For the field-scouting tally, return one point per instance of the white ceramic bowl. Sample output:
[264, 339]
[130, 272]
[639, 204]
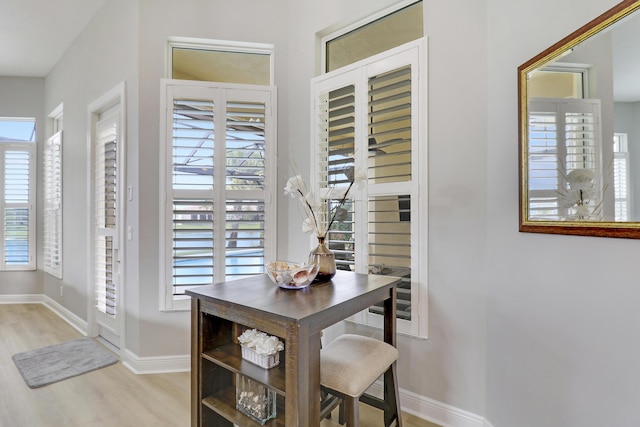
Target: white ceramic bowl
[291, 275]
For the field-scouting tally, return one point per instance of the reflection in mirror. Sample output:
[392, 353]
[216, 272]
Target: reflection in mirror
[580, 130]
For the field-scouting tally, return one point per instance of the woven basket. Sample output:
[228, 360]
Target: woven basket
[266, 361]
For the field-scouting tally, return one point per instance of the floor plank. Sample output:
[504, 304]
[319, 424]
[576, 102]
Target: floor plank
[109, 397]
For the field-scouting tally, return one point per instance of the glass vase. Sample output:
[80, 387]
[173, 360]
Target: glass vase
[325, 260]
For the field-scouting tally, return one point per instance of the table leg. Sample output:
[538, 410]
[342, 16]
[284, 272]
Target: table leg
[302, 352]
[390, 336]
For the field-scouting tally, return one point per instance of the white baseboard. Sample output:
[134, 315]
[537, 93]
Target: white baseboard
[22, 299]
[433, 410]
[76, 322]
[155, 365]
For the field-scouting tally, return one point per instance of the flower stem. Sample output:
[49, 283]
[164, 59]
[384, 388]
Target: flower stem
[313, 215]
[333, 217]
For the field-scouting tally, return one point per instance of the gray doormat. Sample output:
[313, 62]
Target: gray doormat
[58, 362]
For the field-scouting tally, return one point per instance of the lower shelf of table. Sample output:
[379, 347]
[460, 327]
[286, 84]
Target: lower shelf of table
[223, 403]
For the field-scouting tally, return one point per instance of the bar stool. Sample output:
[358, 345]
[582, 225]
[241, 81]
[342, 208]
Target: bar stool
[350, 365]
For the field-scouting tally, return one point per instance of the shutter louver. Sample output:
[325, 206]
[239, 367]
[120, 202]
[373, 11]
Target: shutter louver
[341, 237]
[580, 139]
[336, 121]
[105, 215]
[245, 163]
[389, 140]
[620, 185]
[341, 134]
[336, 130]
[390, 246]
[193, 141]
[621, 176]
[192, 244]
[543, 165]
[244, 239]
[53, 205]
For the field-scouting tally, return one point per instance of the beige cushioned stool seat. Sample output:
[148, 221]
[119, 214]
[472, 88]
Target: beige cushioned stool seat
[351, 363]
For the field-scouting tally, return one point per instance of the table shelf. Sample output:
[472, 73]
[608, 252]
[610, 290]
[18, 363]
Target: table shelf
[223, 403]
[229, 356]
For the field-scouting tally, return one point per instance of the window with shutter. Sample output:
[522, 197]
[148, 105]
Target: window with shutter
[564, 136]
[17, 194]
[368, 116]
[219, 169]
[52, 239]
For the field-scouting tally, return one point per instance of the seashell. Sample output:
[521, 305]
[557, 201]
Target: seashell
[301, 277]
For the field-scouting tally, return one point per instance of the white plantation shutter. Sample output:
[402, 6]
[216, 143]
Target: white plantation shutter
[335, 151]
[52, 250]
[389, 230]
[246, 175]
[220, 173]
[17, 190]
[564, 135]
[621, 177]
[106, 215]
[390, 126]
[192, 243]
[543, 165]
[367, 116]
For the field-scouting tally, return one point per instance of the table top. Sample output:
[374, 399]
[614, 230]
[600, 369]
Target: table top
[346, 294]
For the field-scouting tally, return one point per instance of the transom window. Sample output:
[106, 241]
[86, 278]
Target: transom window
[220, 61]
[378, 33]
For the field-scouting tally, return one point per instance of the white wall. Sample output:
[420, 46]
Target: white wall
[562, 311]
[22, 97]
[104, 55]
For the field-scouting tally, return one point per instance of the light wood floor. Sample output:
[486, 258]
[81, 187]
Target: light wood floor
[112, 396]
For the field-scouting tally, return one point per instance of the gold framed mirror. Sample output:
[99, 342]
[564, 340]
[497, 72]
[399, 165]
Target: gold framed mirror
[579, 130]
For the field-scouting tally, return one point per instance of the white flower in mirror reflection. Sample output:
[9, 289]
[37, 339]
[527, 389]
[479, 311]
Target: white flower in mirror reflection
[581, 192]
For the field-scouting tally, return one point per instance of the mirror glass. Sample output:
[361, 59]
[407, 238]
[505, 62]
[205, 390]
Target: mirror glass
[580, 130]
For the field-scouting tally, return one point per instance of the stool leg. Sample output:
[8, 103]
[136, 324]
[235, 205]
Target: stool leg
[351, 411]
[392, 397]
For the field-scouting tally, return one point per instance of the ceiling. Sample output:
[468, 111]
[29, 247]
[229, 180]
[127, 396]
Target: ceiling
[34, 34]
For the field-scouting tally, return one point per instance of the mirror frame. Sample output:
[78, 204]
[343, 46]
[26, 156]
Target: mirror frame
[583, 228]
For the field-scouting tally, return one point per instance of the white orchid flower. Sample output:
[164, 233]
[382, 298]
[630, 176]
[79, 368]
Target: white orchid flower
[294, 187]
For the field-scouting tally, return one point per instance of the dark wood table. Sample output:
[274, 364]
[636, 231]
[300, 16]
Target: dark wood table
[221, 311]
